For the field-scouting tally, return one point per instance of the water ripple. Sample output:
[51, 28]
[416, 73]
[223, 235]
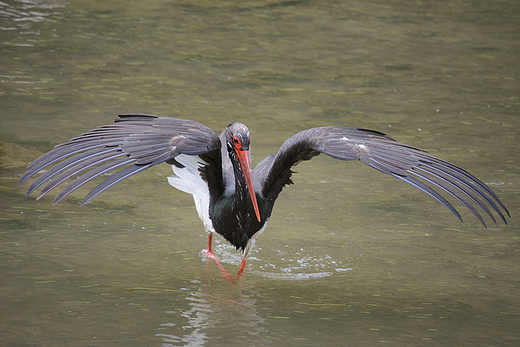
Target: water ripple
[23, 13]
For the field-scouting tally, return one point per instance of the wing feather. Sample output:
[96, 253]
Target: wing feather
[404, 162]
[132, 144]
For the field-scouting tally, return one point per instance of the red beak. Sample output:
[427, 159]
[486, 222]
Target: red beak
[243, 160]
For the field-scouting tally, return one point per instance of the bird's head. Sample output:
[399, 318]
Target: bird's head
[238, 140]
[238, 137]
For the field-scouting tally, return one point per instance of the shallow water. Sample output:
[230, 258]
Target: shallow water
[350, 257]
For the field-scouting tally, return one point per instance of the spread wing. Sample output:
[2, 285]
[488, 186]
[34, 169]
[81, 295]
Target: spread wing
[135, 142]
[404, 162]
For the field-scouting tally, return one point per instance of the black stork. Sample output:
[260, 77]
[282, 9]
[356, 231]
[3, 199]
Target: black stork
[231, 199]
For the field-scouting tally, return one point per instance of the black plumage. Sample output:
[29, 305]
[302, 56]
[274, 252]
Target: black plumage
[237, 210]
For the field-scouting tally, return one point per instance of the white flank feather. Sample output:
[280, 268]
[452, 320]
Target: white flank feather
[188, 180]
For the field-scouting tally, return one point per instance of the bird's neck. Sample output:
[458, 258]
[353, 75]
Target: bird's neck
[242, 197]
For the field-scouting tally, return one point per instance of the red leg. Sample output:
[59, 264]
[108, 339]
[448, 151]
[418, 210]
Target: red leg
[242, 266]
[210, 254]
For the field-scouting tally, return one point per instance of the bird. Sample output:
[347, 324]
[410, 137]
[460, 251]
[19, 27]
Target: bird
[231, 199]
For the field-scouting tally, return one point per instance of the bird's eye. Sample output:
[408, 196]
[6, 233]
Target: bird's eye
[236, 141]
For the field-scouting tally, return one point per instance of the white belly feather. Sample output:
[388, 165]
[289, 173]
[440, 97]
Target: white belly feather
[188, 180]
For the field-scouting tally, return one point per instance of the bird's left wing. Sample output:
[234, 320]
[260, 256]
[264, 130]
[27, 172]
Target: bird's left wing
[135, 142]
[404, 162]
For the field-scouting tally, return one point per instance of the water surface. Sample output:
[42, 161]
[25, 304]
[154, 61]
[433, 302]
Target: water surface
[350, 257]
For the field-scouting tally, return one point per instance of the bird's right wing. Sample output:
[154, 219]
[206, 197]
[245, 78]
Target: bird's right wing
[135, 142]
[406, 163]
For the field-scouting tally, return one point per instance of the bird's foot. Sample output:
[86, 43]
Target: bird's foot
[225, 274]
[211, 255]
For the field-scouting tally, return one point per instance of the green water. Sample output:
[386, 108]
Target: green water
[349, 258]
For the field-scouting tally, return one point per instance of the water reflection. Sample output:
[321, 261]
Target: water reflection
[216, 305]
